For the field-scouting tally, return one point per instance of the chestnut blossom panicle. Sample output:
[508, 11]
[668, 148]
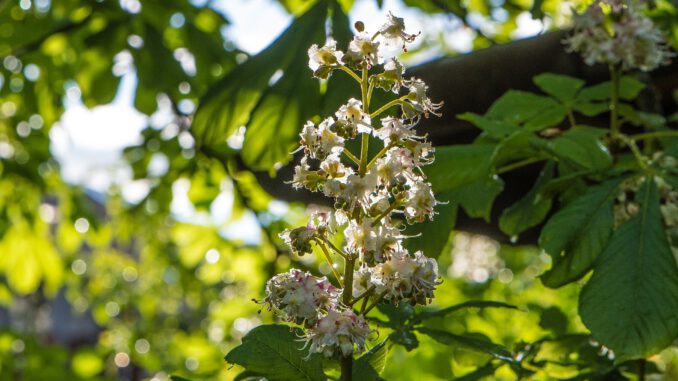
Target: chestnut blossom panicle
[300, 296]
[340, 332]
[375, 194]
[617, 32]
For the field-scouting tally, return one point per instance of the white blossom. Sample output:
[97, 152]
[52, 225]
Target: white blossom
[362, 49]
[405, 277]
[340, 332]
[322, 60]
[393, 32]
[300, 296]
[420, 202]
[419, 102]
[394, 130]
[624, 37]
[352, 113]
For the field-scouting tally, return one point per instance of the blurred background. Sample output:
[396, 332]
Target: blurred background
[134, 236]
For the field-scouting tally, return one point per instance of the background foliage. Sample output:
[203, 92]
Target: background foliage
[95, 287]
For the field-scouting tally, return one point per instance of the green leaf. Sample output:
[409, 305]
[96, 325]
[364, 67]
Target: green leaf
[520, 145]
[520, 106]
[274, 351]
[404, 337]
[581, 145]
[459, 165]
[629, 88]
[481, 373]
[494, 128]
[630, 302]
[178, 378]
[370, 365]
[479, 345]
[478, 197]
[562, 87]
[231, 102]
[429, 314]
[530, 210]
[576, 235]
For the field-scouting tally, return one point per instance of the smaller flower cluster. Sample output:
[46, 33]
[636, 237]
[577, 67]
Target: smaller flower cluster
[626, 207]
[617, 32]
[300, 296]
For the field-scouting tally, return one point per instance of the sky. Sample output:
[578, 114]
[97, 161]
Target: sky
[88, 143]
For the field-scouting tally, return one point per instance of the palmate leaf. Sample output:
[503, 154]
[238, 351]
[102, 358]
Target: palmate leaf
[630, 302]
[562, 87]
[368, 366]
[274, 351]
[576, 235]
[529, 210]
[272, 114]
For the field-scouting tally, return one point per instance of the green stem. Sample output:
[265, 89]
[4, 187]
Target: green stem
[328, 257]
[350, 72]
[570, 117]
[641, 369]
[519, 164]
[347, 368]
[364, 294]
[378, 155]
[374, 304]
[351, 156]
[655, 134]
[388, 105]
[614, 103]
[369, 93]
[385, 213]
[642, 161]
[331, 245]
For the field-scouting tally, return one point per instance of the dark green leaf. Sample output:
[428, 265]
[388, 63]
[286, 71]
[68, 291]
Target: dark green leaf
[581, 145]
[519, 106]
[178, 378]
[561, 87]
[478, 197]
[459, 165]
[629, 88]
[630, 302]
[576, 235]
[231, 102]
[529, 210]
[404, 337]
[494, 128]
[370, 365]
[468, 342]
[481, 373]
[275, 352]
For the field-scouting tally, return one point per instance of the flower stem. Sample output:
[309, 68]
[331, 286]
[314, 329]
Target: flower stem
[351, 156]
[331, 246]
[385, 213]
[378, 155]
[614, 103]
[364, 145]
[350, 72]
[374, 304]
[328, 257]
[388, 105]
[570, 117]
[347, 361]
[365, 293]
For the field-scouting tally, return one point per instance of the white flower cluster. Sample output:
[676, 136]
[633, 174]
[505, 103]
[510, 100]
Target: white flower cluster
[300, 296]
[626, 207]
[617, 32]
[375, 196]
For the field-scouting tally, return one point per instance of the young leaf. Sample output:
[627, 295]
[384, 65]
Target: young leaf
[370, 365]
[562, 87]
[629, 88]
[468, 342]
[477, 198]
[578, 233]
[529, 210]
[630, 302]
[275, 352]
